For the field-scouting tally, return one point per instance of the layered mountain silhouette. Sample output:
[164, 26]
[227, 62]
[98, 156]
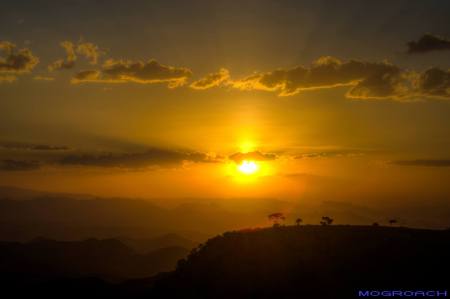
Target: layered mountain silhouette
[284, 262]
[127, 251]
[107, 259]
[159, 242]
[27, 214]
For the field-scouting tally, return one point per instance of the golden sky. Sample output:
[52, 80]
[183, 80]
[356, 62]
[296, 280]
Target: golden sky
[175, 99]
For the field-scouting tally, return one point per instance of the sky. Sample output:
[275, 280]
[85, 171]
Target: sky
[342, 100]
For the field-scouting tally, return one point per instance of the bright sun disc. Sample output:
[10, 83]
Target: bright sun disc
[248, 167]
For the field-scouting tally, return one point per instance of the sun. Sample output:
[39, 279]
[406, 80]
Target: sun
[248, 167]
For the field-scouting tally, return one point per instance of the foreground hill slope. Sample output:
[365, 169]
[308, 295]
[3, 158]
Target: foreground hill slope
[311, 262]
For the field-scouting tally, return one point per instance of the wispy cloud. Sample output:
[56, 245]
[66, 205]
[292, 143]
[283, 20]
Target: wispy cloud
[329, 154]
[89, 50]
[32, 146]
[33, 156]
[69, 61]
[18, 165]
[151, 157]
[211, 80]
[255, 156]
[86, 49]
[423, 162]
[15, 61]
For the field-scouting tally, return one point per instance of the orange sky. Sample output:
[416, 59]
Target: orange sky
[154, 100]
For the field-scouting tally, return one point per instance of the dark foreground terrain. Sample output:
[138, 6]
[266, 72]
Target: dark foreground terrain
[285, 262]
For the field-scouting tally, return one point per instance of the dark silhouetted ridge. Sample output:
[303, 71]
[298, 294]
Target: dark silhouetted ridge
[310, 262]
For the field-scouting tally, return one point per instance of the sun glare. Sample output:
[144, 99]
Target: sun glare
[248, 167]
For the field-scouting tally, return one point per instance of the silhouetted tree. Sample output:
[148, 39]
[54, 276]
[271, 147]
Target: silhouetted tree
[393, 221]
[326, 220]
[276, 218]
[298, 221]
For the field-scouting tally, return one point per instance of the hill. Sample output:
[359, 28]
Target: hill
[311, 262]
[27, 214]
[107, 259]
[162, 241]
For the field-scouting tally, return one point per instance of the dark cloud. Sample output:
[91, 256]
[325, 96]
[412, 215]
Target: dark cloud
[129, 156]
[365, 80]
[427, 43]
[212, 80]
[87, 76]
[387, 83]
[151, 157]
[120, 71]
[423, 162]
[31, 146]
[255, 156]
[43, 147]
[13, 61]
[329, 154]
[434, 82]
[18, 165]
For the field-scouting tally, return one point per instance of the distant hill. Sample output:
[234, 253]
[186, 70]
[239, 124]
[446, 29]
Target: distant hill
[27, 214]
[11, 192]
[108, 259]
[162, 241]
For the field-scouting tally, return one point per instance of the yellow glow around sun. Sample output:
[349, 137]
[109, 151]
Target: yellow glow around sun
[248, 167]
